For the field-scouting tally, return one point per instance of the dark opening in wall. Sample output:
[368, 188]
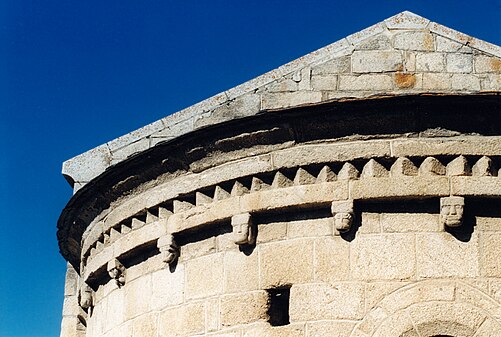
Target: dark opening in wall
[278, 309]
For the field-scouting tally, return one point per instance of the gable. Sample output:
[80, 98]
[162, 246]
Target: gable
[403, 55]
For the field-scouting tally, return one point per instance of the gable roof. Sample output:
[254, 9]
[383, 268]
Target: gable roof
[404, 54]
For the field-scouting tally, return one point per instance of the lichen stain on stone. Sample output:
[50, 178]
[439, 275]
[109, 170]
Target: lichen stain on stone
[428, 41]
[405, 80]
[495, 64]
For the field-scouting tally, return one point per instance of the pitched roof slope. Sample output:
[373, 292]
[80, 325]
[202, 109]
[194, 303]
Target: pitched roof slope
[405, 54]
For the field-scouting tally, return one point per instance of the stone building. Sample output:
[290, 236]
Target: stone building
[353, 192]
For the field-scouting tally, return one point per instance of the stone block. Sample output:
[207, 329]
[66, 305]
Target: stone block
[167, 288]
[324, 82]
[203, 276]
[465, 82]
[430, 62]
[406, 81]
[414, 40]
[490, 260]
[130, 149]
[447, 45]
[373, 82]
[88, 165]
[115, 310]
[319, 301]
[332, 256]
[371, 223]
[487, 224]
[476, 186]
[282, 85]
[244, 308]
[137, 297]
[366, 33]
[286, 262]
[459, 63]
[272, 232]
[318, 153]
[380, 188]
[245, 105]
[212, 314]
[437, 81]
[491, 82]
[376, 61]
[330, 328]
[265, 330]
[474, 146]
[406, 20]
[144, 326]
[241, 271]
[311, 227]
[442, 255]
[383, 257]
[377, 291]
[70, 282]
[199, 248]
[398, 324]
[379, 42]
[487, 64]
[188, 319]
[289, 99]
[409, 222]
[338, 65]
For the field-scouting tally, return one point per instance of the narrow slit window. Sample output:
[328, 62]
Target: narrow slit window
[278, 309]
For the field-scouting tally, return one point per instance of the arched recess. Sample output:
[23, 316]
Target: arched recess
[433, 308]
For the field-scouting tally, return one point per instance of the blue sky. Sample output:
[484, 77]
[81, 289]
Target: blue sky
[75, 74]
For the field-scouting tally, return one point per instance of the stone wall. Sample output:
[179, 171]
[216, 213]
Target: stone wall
[362, 200]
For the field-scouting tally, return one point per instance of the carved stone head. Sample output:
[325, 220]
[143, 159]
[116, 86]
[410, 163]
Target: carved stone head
[168, 248]
[85, 296]
[243, 232]
[451, 211]
[342, 211]
[116, 270]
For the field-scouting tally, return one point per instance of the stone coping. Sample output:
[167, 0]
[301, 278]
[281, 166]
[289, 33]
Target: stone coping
[85, 167]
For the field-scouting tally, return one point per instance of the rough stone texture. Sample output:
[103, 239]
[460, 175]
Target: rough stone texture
[395, 272]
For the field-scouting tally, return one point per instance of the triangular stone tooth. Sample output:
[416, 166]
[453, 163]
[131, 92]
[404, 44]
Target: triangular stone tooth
[150, 217]
[458, 167]
[164, 213]
[326, 175]
[114, 235]
[93, 251]
[220, 193]
[280, 180]
[374, 169]
[348, 171]
[238, 189]
[181, 206]
[136, 223]
[106, 238]
[431, 166]
[99, 246]
[257, 185]
[483, 167]
[303, 177]
[403, 167]
[202, 199]
[125, 229]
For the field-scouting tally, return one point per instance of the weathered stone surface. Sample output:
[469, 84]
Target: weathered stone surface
[332, 256]
[203, 276]
[454, 259]
[490, 245]
[419, 41]
[318, 301]
[487, 64]
[438, 81]
[188, 319]
[241, 272]
[339, 65]
[376, 61]
[382, 257]
[167, 288]
[430, 62]
[289, 99]
[330, 328]
[283, 263]
[306, 228]
[244, 308]
[409, 222]
[459, 63]
[376, 82]
[137, 297]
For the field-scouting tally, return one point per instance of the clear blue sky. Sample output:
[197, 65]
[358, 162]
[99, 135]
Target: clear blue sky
[75, 74]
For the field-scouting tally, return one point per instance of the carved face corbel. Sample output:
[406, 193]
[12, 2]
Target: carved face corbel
[86, 296]
[451, 211]
[116, 270]
[168, 248]
[342, 211]
[243, 229]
